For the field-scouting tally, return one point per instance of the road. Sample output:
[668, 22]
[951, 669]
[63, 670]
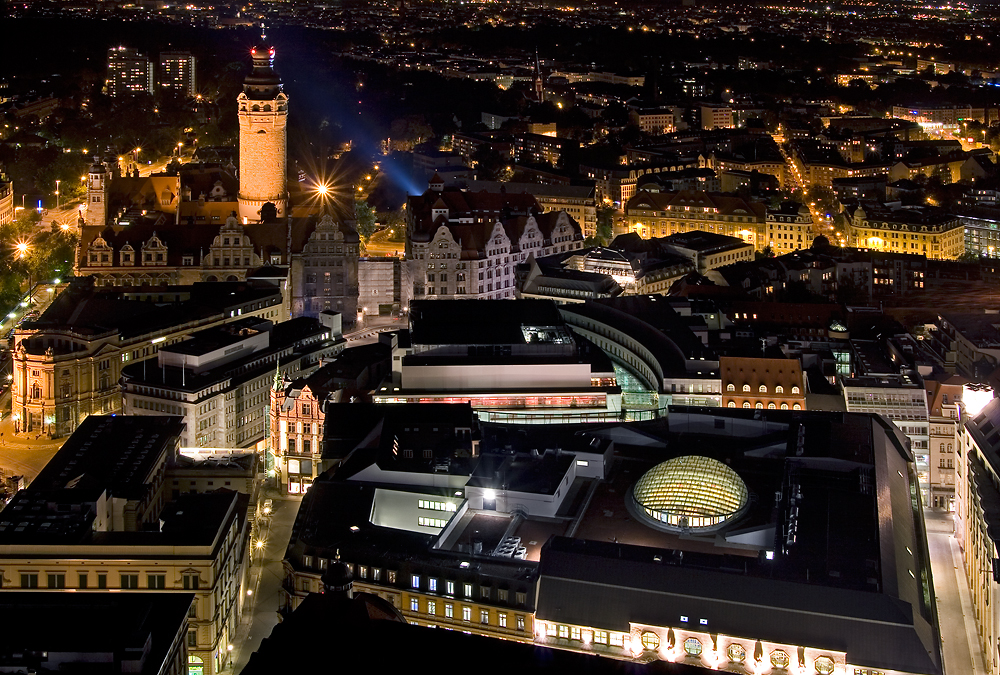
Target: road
[951, 592]
[266, 574]
[379, 245]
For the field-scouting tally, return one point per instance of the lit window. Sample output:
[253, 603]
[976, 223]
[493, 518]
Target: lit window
[770, 406]
[796, 407]
[414, 605]
[784, 406]
[762, 389]
[468, 590]
[779, 658]
[601, 637]
[746, 404]
[736, 652]
[732, 404]
[431, 607]
[795, 390]
[617, 639]
[824, 665]
[779, 389]
[432, 585]
[550, 630]
[650, 640]
[692, 647]
[466, 614]
[759, 405]
[564, 631]
[484, 616]
[502, 619]
[746, 387]
[415, 581]
[449, 610]
[449, 587]
[730, 387]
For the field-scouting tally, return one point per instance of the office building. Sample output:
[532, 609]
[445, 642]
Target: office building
[68, 361]
[129, 73]
[665, 213]
[924, 230]
[218, 379]
[177, 73]
[515, 358]
[111, 526]
[122, 633]
[667, 559]
[466, 244]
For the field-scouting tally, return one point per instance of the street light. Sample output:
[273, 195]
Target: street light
[57, 192]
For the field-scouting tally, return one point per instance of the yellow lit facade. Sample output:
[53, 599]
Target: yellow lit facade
[662, 214]
[944, 240]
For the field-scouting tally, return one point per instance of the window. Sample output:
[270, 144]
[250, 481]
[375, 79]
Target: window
[692, 647]
[824, 665]
[190, 582]
[376, 574]
[130, 581]
[617, 639]
[779, 658]
[795, 390]
[650, 640]
[731, 404]
[564, 631]
[796, 406]
[484, 592]
[56, 581]
[759, 405]
[449, 587]
[468, 590]
[392, 576]
[414, 581]
[466, 614]
[746, 404]
[746, 387]
[779, 389]
[520, 622]
[762, 389]
[102, 580]
[574, 633]
[192, 638]
[82, 578]
[431, 607]
[449, 610]
[601, 637]
[432, 585]
[414, 605]
[484, 616]
[502, 619]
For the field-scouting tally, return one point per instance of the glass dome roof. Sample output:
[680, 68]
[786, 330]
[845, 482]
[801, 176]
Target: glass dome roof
[689, 493]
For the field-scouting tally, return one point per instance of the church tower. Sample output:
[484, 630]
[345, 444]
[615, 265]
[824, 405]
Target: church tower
[98, 178]
[263, 114]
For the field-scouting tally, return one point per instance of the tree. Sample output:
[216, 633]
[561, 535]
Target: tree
[605, 222]
[365, 217]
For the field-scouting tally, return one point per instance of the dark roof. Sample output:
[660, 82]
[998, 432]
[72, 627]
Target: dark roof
[478, 322]
[73, 628]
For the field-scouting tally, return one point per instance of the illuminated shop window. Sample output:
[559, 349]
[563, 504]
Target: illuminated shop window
[824, 665]
[779, 658]
[736, 652]
[650, 640]
[601, 637]
[692, 647]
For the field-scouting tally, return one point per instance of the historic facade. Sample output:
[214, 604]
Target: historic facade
[665, 213]
[263, 114]
[324, 276]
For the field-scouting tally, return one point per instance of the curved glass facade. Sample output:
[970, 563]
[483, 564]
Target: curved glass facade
[690, 493]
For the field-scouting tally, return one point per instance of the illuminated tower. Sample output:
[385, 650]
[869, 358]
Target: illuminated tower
[98, 179]
[263, 114]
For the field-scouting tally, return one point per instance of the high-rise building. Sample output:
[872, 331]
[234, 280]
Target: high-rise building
[263, 113]
[177, 72]
[129, 72]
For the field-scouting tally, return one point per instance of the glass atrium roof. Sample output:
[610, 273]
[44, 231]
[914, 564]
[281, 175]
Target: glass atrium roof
[689, 493]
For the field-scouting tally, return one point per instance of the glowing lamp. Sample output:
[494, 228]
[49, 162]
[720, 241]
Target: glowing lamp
[975, 397]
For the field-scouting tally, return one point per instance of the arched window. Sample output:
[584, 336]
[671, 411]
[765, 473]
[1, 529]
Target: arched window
[746, 404]
[762, 389]
[796, 407]
[746, 387]
[759, 406]
[942, 447]
[949, 447]
[795, 390]
[730, 387]
[732, 404]
[784, 406]
[779, 389]
[36, 391]
[770, 406]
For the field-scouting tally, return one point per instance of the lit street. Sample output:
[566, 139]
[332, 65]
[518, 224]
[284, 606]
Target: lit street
[260, 614]
[951, 590]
